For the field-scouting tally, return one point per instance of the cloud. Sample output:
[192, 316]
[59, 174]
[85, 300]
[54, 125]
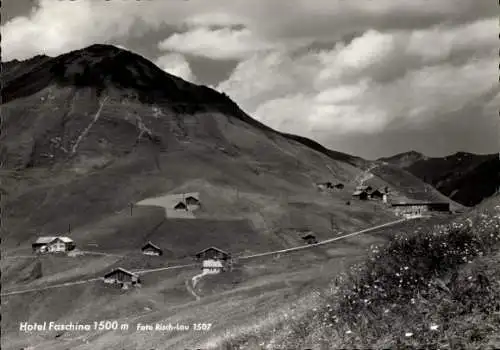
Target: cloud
[359, 74]
[379, 83]
[177, 65]
[215, 19]
[54, 27]
[222, 44]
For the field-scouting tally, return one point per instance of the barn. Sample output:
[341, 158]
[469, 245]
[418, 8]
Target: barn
[122, 277]
[151, 249]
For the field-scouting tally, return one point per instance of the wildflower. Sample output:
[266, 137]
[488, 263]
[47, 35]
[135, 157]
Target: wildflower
[434, 327]
[348, 332]
[412, 300]
[408, 334]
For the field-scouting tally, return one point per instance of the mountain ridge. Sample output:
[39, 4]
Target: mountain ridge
[463, 176]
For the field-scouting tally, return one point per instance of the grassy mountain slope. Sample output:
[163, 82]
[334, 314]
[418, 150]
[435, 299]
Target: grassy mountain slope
[434, 287]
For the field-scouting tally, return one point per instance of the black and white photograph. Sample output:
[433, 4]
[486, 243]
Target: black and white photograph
[250, 174]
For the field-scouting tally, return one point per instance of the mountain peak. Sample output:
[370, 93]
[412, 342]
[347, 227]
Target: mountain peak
[404, 158]
[102, 67]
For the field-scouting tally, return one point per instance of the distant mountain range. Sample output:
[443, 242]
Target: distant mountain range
[464, 177]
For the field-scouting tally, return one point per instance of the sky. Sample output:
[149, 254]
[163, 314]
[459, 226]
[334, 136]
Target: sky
[368, 77]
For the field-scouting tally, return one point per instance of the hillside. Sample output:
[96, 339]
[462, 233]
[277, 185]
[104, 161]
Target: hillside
[464, 177]
[92, 135]
[432, 287]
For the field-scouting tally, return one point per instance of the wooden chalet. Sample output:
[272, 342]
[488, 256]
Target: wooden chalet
[151, 249]
[53, 244]
[122, 277]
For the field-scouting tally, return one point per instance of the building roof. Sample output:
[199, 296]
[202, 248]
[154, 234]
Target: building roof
[359, 193]
[212, 263]
[418, 203]
[65, 239]
[215, 248]
[45, 239]
[121, 270]
[149, 244]
[180, 205]
[310, 235]
[191, 198]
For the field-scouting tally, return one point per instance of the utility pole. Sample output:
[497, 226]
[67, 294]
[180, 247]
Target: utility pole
[131, 208]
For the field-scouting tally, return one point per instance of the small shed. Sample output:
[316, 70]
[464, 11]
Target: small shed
[213, 253]
[310, 239]
[376, 195]
[181, 206]
[151, 249]
[192, 201]
[362, 195]
[122, 276]
[211, 266]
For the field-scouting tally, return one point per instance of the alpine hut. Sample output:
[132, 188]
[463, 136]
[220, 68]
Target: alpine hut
[122, 277]
[310, 239]
[180, 206]
[192, 201]
[151, 249]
